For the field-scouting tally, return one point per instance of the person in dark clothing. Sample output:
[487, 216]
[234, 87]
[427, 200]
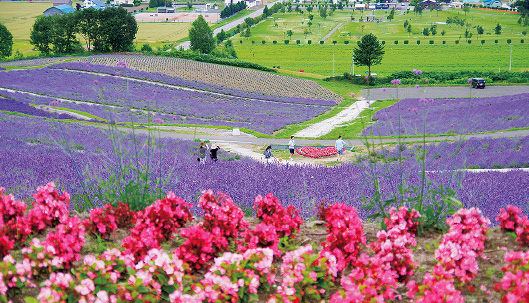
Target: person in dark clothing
[268, 154]
[213, 152]
[202, 152]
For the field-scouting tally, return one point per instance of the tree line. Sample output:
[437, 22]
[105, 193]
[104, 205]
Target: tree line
[232, 9]
[112, 29]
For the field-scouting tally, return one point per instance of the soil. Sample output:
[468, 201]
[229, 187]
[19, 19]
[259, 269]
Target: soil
[315, 232]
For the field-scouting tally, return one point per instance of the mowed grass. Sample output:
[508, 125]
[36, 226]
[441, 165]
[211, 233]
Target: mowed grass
[19, 17]
[394, 30]
[318, 59]
[152, 32]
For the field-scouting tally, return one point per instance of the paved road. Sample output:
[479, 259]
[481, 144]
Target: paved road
[233, 24]
[442, 92]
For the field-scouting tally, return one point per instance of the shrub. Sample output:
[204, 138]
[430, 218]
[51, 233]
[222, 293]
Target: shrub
[100, 223]
[274, 42]
[396, 42]
[298, 42]
[263, 42]
[347, 42]
[146, 48]
[496, 41]
[253, 42]
[469, 41]
[286, 221]
[345, 234]
[431, 41]
[334, 42]
[522, 41]
[309, 42]
[444, 42]
[456, 42]
[482, 41]
[287, 41]
[240, 41]
[418, 42]
[321, 42]
[383, 42]
[406, 41]
[508, 41]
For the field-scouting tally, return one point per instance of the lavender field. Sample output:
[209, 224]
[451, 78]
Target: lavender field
[221, 75]
[451, 116]
[37, 150]
[473, 153]
[124, 100]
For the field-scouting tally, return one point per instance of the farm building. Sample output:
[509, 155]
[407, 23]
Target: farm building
[62, 2]
[427, 4]
[119, 2]
[249, 3]
[457, 4]
[59, 10]
[492, 3]
[97, 4]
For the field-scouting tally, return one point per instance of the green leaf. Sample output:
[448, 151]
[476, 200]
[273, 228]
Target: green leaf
[29, 300]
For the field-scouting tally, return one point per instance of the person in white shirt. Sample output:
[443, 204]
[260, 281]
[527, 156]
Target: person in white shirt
[291, 147]
[340, 144]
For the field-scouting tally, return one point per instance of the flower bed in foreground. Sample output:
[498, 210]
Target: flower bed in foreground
[168, 255]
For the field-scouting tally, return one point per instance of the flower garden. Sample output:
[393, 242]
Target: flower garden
[135, 217]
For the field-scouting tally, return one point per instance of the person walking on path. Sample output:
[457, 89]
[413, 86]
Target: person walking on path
[213, 152]
[203, 147]
[268, 153]
[291, 147]
[340, 147]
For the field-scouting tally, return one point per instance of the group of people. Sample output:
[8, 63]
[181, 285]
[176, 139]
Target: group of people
[213, 151]
[339, 145]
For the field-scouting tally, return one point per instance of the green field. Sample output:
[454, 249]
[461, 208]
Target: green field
[151, 32]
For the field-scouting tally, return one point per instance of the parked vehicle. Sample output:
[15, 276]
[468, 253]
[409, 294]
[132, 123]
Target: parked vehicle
[478, 83]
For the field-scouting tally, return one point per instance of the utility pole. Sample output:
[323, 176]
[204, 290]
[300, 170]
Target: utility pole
[510, 59]
[333, 64]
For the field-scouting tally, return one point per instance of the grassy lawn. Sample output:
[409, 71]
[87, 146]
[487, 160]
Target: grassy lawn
[240, 14]
[391, 31]
[318, 59]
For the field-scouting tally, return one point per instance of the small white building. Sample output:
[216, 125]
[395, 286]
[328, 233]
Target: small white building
[120, 2]
[97, 4]
[249, 3]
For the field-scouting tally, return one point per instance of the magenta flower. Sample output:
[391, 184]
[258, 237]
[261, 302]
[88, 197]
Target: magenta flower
[384, 89]
[118, 74]
[452, 125]
[154, 91]
[469, 80]
[423, 101]
[417, 72]
[352, 95]
[414, 110]
[395, 81]
[157, 120]
[417, 86]
[425, 80]
[96, 82]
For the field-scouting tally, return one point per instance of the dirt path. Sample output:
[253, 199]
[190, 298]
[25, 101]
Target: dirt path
[332, 32]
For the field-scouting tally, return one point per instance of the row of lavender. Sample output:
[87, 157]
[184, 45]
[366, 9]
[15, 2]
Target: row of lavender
[451, 116]
[221, 76]
[30, 157]
[472, 153]
[137, 100]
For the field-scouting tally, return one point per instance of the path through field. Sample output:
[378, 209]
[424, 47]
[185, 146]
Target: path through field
[442, 92]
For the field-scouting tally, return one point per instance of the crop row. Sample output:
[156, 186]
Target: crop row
[221, 75]
[35, 62]
[451, 116]
[174, 103]
[75, 155]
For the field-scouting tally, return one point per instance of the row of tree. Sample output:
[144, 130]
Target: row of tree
[232, 9]
[110, 30]
[6, 42]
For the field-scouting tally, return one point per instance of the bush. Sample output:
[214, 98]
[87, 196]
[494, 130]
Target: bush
[263, 42]
[309, 42]
[444, 42]
[396, 42]
[240, 41]
[253, 42]
[522, 41]
[334, 42]
[469, 41]
[274, 42]
[456, 42]
[418, 42]
[298, 41]
[508, 41]
[287, 41]
[431, 41]
[321, 42]
[146, 48]
[406, 41]
[482, 41]
[496, 41]
[383, 42]
[347, 42]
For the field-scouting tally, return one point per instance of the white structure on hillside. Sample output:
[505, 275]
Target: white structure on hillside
[119, 2]
[249, 3]
[97, 4]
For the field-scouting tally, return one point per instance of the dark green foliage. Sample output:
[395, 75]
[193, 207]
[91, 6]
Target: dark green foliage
[201, 36]
[482, 41]
[287, 41]
[146, 48]
[232, 9]
[298, 41]
[496, 41]
[405, 41]
[321, 42]
[6, 42]
[444, 42]
[41, 36]
[275, 42]
[369, 52]
[347, 42]
[456, 42]
[508, 41]
[431, 41]
[309, 42]
[221, 36]
[418, 42]
[396, 42]
[334, 42]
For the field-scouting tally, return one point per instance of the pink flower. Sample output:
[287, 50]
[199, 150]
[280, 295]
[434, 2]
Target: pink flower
[423, 101]
[395, 81]
[96, 82]
[469, 80]
[417, 86]
[384, 89]
[157, 120]
[352, 95]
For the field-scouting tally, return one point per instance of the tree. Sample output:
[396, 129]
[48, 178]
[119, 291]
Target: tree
[41, 36]
[426, 32]
[311, 17]
[266, 12]
[65, 34]
[306, 31]
[290, 33]
[309, 9]
[247, 33]
[408, 29]
[480, 30]
[522, 6]
[6, 42]
[309, 23]
[466, 8]
[391, 15]
[119, 29]
[201, 36]
[369, 52]
[433, 30]
[443, 32]
[406, 23]
[497, 29]
[323, 12]
[221, 36]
